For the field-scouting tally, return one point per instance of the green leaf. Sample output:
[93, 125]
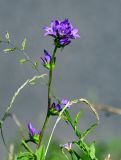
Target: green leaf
[66, 116]
[92, 150]
[24, 44]
[88, 130]
[77, 131]
[8, 50]
[53, 112]
[7, 36]
[40, 153]
[35, 65]
[22, 61]
[75, 154]
[77, 117]
[82, 146]
[64, 154]
[86, 149]
[25, 156]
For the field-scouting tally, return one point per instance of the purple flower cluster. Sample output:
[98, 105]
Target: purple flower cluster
[62, 31]
[58, 106]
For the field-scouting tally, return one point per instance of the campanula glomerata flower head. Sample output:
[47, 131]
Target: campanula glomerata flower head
[62, 32]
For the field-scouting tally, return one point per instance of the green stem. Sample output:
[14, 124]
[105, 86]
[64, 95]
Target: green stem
[49, 97]
[43, 130]
[50, 77]
[26, 146]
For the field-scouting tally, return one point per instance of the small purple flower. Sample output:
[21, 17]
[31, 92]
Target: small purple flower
[62, 31]
[32, 131]
[46, 59]
[57, 107]
[65, 102]
[67, 146]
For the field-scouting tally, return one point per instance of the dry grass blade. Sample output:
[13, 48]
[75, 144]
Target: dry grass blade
[17, 122]
[87, 103]
[11, 152]
[29, 81]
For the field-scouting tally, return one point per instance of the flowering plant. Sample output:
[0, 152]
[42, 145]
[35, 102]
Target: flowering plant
[62, 33]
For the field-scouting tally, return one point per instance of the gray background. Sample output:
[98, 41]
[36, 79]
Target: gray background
[89, 67]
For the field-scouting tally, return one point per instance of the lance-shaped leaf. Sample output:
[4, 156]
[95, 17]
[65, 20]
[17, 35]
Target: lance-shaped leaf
[40, 153]
[88, 130]
[75, 155]
[22, 61]
[23, 45]
[92, 151]
[76, 119]
[25, 156]
[8, 50]
[66, 116]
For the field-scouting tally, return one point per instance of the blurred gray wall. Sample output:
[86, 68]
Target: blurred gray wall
[90, 67]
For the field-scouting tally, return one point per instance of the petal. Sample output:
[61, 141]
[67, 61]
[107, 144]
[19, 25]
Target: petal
[47, 56]
[53, 105]
[58, 107]
[32, 130]
[43, 61]
[65, 41]
[64, 101]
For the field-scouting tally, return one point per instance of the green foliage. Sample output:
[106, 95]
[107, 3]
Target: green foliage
[22, 61]
[25, 156]
[88, 130]
[87, 150]
[55, 152]
[9, 50]
[29, 154]
[23, 44]
[76, 119]
[40, 153]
